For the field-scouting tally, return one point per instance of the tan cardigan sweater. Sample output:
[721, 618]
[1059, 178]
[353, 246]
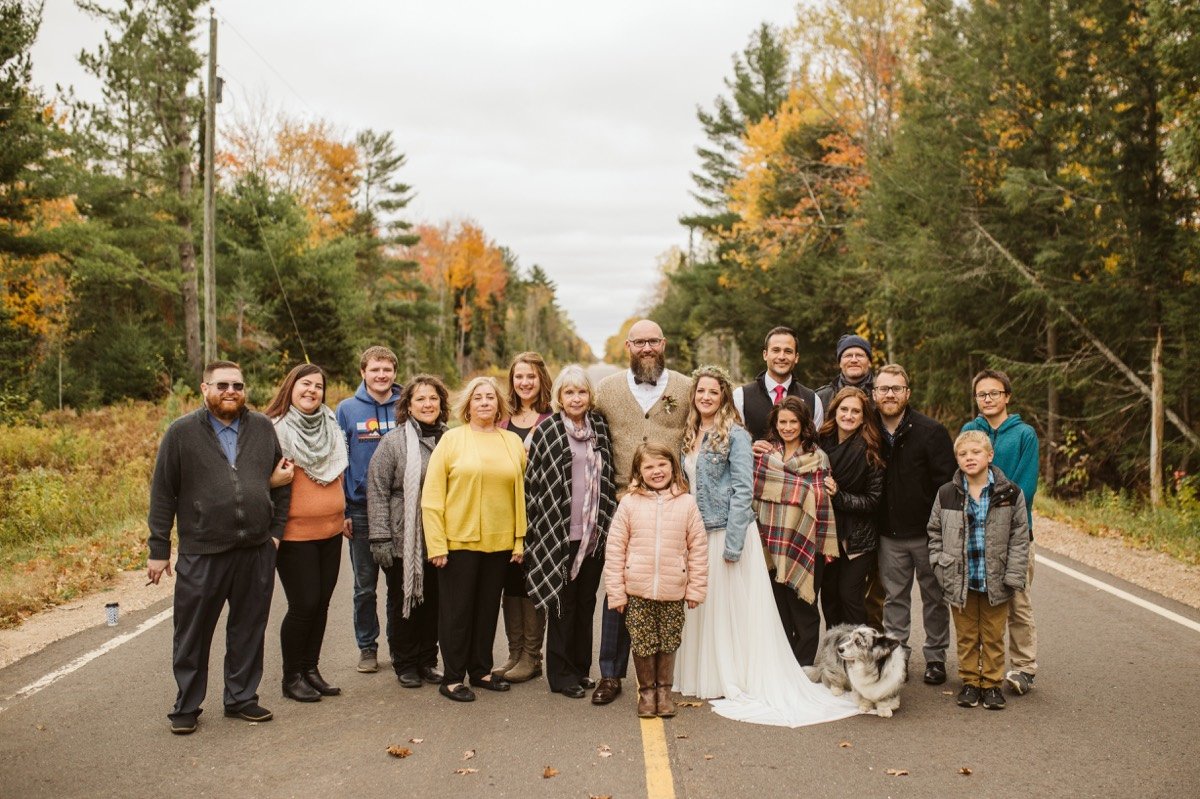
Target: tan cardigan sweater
[630, 426]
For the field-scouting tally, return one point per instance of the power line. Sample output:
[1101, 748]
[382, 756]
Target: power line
[225, 20]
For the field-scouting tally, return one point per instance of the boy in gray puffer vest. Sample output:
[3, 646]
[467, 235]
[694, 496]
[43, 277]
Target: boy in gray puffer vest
[978, 547]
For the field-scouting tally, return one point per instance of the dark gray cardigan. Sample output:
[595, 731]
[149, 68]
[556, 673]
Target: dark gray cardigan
[216, 507]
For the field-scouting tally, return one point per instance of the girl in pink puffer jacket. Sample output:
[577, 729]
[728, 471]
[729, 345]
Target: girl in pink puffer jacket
[656, 559]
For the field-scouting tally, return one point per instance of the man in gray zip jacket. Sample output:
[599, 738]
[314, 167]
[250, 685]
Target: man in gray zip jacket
[212, 481]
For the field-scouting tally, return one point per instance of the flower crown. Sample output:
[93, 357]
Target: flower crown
[711, 370]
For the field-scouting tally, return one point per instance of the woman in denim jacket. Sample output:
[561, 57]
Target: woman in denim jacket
[733, 645]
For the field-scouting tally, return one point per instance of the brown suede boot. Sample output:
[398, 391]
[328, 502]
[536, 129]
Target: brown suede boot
[529, 660]
[514, 631]
[664, 678]
[645, 667]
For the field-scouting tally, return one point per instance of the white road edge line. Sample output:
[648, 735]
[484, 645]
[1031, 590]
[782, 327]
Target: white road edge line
[1117, 592]
[84, 659]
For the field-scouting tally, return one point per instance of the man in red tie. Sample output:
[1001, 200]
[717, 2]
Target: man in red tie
[754, 400]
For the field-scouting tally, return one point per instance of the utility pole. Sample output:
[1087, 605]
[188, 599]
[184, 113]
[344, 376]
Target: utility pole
[210, 208]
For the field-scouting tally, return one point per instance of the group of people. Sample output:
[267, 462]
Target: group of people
[723, 522]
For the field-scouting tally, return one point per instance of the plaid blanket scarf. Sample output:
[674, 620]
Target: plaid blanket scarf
[548, 507]
[795, 516]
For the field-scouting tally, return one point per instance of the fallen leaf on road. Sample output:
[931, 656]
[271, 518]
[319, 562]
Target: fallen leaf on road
[398, 751]
[845, 745]
[549, 772]
[688, 703]
[708, 757]
[604, 751]
[897, 772]
[416, 740]
[966, 772]
[598, 796]
[467, 755]
[681, 735]
[947, 693]
[465, 770]
[41, 727]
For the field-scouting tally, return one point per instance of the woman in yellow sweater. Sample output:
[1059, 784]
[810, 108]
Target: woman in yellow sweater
[473, 510]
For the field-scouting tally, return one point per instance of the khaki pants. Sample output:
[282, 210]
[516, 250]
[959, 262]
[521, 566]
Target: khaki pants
[980, 630]
[1022, 634]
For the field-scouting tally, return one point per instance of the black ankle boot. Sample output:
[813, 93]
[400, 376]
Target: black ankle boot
[296, 687]
[314, 678]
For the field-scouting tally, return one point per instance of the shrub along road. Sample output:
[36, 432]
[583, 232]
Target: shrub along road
[1111, 715]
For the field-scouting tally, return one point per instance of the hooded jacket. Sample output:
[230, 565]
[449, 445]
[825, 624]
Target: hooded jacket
[364, 422]
[1006, 540]
[1015, 448]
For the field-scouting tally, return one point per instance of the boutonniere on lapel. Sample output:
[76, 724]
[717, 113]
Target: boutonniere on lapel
[669, 404]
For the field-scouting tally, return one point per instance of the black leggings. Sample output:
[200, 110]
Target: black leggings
[308, 571]
[844, 590]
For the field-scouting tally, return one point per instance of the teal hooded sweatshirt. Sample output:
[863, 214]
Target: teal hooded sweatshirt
[1016, 453]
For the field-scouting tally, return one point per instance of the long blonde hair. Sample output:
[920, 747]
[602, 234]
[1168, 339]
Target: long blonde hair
[727, 415]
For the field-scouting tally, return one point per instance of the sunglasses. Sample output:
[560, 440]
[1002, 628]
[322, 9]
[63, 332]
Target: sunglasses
[223, 386]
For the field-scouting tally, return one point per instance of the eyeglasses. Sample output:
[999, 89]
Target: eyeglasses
[887, 391]
[991, 395]
[642, 343]
[223, 387]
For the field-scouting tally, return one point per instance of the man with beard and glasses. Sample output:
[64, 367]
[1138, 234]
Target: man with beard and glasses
[212, 481]
[647, 403]
[920, 460]
[854, 368]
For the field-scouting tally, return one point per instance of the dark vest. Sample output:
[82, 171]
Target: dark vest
[757, 403]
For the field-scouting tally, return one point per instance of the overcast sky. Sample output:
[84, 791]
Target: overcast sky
[566, 130]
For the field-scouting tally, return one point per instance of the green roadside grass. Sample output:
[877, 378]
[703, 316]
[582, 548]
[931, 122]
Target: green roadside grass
[73, 488]
[1173, 528]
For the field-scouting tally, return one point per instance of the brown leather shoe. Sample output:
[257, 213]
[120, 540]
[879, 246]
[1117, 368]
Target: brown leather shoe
[645, 668]
[608, 690]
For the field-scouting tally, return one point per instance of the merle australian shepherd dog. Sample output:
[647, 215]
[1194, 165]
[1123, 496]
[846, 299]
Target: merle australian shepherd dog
[863, 662]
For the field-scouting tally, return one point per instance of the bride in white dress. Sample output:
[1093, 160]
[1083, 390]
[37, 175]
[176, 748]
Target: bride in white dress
[734, 650]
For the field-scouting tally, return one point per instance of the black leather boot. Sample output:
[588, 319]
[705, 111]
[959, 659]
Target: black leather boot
[296, 687]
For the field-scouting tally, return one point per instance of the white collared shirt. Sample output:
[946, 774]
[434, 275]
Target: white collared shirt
[647, 394]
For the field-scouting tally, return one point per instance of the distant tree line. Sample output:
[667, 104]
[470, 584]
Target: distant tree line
[101, 223]
[1009, 184]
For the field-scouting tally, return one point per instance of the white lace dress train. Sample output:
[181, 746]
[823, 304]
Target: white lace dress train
[734, 647]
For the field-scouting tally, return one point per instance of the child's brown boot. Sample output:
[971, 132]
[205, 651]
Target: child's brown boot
[664, 677]
[644, 666]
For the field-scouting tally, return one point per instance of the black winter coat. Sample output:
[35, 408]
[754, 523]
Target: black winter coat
[859, 492]
[920, 460]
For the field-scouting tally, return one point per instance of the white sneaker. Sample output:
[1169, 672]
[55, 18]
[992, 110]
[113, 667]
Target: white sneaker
[1019, 682]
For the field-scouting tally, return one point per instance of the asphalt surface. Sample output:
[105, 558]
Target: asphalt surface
[1112, 715]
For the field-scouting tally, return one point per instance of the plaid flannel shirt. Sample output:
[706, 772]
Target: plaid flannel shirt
[977, 511]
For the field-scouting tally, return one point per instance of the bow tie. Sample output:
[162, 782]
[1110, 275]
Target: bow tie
[639, 382]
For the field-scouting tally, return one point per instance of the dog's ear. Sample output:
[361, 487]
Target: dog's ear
[888, 643]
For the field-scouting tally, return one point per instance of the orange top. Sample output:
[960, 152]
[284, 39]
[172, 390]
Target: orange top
[317, 512]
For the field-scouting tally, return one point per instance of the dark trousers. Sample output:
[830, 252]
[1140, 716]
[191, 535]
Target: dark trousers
[569, 636]
[614, 643]
[413, 641]
[844, 590]
[801, 620]
[308, 571]
[245, 578]
[469, 588]
[514, 581]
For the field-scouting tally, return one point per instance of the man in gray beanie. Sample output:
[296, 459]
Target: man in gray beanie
[854, 368]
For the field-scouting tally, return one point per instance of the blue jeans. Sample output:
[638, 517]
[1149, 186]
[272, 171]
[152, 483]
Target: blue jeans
[366, 578]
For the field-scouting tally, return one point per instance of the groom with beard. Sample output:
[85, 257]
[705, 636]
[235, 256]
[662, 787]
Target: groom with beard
[645, 403]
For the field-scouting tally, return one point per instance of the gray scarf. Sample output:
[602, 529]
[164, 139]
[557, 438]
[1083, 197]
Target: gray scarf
[591, 490]
[413, 556]
[313, 442]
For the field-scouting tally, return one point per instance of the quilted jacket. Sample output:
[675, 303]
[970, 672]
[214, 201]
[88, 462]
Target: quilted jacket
[657, 549]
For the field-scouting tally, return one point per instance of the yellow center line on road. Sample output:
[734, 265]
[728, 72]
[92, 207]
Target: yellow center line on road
[659, 782]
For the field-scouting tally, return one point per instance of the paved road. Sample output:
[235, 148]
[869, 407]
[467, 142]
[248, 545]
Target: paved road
[1113, 715]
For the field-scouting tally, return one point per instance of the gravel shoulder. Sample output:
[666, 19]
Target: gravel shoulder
[1153, 571]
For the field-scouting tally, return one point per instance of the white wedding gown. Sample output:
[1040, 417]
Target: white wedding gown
[734, 647]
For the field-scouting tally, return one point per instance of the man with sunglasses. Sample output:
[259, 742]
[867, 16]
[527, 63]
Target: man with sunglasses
[1015, 445]
[645, 403]
[920, 460]
[212, 482]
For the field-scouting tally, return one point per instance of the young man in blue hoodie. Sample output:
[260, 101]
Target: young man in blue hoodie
[1016, 454]
[366, 418]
